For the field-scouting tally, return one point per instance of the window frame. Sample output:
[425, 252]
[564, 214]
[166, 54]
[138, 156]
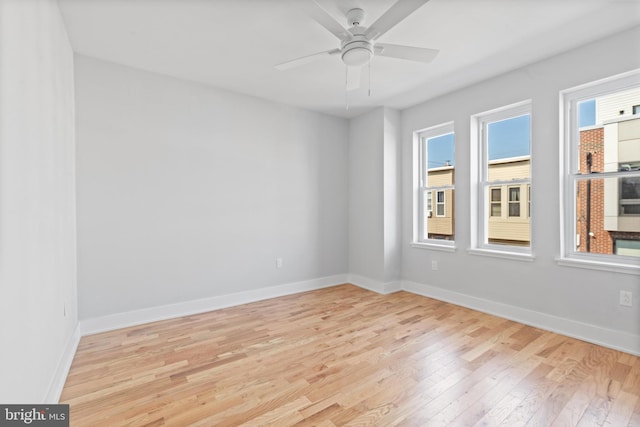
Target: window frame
[480, 216]
[570, 176]
[420, 236]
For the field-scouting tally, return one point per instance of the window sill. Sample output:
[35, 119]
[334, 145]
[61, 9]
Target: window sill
[599, 265]
[502, 254]
[433, 246]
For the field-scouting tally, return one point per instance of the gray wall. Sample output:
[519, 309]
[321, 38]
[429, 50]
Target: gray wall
[187, 192]
[38, 306]
[366, 195]
[374, 200]
[585, 297]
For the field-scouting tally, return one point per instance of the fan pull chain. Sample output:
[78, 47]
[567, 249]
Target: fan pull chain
[369, 79]
[346, 90]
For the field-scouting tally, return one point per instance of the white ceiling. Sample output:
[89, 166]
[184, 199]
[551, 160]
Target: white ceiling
[234, 44]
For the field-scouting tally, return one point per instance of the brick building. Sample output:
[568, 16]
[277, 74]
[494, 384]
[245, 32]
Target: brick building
[604, 223]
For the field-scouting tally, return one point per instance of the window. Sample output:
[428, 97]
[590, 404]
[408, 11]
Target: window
[434, 154]
[630, 190]
[514, 201]
[627, 247]
[601, 175]
[440, 203]
[502, 150]
[496, 201]
[636, 109]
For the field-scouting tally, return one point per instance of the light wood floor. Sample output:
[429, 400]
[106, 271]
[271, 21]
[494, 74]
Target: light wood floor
[347, 356]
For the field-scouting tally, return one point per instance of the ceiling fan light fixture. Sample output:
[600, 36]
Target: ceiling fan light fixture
[357, 56]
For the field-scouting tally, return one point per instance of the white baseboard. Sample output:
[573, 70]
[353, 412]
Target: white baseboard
[375, 285]
[186, 308]
[62, 370]
[616, 340]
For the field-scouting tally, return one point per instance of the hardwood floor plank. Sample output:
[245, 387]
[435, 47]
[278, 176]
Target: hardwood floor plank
[621, 410]
[575, 408]
[346, 356]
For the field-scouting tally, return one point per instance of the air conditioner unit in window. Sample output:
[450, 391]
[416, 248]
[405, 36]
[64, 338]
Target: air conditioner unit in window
[429, 214]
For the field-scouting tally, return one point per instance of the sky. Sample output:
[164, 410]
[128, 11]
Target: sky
[587, 113]
[510, 137]
[507, 138]
[440, 149]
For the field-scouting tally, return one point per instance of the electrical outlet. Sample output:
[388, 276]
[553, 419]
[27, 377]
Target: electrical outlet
[434, 265]
[626, 298]
[278, 262]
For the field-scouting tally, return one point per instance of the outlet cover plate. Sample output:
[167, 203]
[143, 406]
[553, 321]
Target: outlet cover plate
[626, 298]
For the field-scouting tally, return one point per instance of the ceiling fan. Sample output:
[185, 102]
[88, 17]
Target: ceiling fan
[358, 44]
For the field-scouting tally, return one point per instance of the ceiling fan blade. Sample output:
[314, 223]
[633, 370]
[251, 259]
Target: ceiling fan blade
[318, 14]
[396, 13]
[419, 54]
[353, 77]
[305, 59]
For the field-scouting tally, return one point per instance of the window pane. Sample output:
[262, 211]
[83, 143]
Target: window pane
[627, 247]
[495, 206]
[599, 223]
[440, 151]
[440, 225]
[514, 201]
[630, 188]
[514, 194]
[514, 209]
[608, 209]
[630, 196]
[439, 180]
[507, 147]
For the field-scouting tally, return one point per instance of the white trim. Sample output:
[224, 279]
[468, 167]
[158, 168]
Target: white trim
[510, 160]
[421, 171]
[186, 308]
[375, 285]
[596, 265]
[511, 254]
[480, 162]
[569, 161]
[610, 338]
[437, 247]
[440, 168]
[62, 370]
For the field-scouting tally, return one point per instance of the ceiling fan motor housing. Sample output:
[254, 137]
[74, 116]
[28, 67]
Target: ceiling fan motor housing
[355, 17]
